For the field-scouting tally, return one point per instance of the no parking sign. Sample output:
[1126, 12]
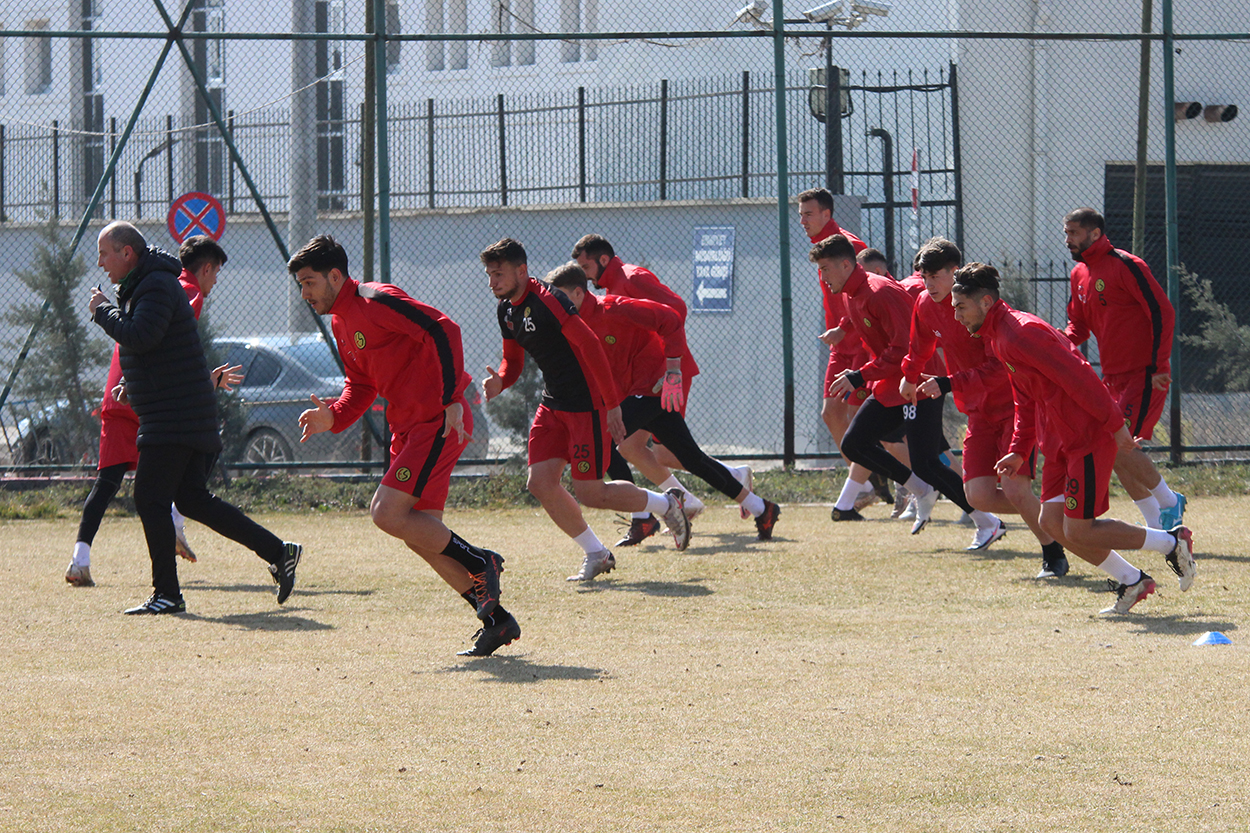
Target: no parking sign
[196, 213]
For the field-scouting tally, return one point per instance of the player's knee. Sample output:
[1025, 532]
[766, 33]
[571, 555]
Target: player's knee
[1053, 525]
[980, 495]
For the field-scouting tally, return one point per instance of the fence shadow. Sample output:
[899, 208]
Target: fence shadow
[269, 620]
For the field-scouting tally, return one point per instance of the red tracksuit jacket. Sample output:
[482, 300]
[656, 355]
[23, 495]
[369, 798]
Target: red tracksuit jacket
[879, 310]
[637, 335]
[620, 278]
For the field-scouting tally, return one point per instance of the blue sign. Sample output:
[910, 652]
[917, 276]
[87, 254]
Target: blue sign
[196, 213]
[713, 269]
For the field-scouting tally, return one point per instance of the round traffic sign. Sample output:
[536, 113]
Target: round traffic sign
[196, 213]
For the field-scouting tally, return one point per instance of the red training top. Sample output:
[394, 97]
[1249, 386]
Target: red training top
[1115, 298]
[637, 335]
[880, 312]
[620, 278]
[1060, 401]
[398, 348]
[835, 302]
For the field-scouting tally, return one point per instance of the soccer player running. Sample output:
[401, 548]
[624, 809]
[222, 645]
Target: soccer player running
[982, 390]
[410, 354]
[1063, 407]
[580, 412]
[880, 311]
[846, 350]
[1117, 300]
[201, 260]
[605, 270]
[644, 342]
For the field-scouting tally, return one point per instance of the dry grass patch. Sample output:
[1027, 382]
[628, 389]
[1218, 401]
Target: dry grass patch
[848, 677]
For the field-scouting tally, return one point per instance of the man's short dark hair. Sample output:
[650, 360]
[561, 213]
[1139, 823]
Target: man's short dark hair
[567, 276]
[505, 251]
[321, 254]
[1086, 218]
[871, 255]
[593, 246]
[938, 253]
[837, 247]
[200, 249]
[976, 280]
[819, 195]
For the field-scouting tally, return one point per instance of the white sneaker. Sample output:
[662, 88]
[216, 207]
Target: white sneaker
[595, 563]
[1181, 558]
[675, 517]
[1128, 595]
[924, 510]
[79, 576]
[908, 514]
[987, 536]
[181, 546]
[693, 506]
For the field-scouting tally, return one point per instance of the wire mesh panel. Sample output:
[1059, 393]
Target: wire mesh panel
[548, 121]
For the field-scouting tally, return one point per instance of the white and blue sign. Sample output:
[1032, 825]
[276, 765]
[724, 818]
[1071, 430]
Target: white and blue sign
[713, 269]
[196, 213]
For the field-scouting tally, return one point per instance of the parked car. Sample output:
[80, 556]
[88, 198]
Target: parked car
[280, 372]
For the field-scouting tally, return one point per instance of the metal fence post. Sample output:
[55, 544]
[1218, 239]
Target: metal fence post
[503, 152]
[746, 133]
[956, 159]
[429, 149]
[663, 138]
[581, 144]
[783, 234]
[56, 169]
[112, 179]
[1173, 241]
[169, 159]
[4, 217]
[230, 168]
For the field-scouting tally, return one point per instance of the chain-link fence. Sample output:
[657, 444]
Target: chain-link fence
[547, 121]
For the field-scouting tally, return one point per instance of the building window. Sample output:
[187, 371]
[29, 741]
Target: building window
[38, 63]
[92, 102]
[3, 41]
[509, 16]
[578, 16]
[330, 122]
[446, 16]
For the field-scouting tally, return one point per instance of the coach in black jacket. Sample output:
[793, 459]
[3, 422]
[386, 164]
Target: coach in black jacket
[167, 382]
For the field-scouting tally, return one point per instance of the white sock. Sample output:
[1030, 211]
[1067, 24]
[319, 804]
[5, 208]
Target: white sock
[850, 491]
[641, 516]
[672, 483]
[754, 504]
[589, 541]
[1119, 569]
[178, 517]
[1149, 508]
[1164, 494]
[917, 486]
[983, 520]
[693, 502]
[739, 473]
[657, 504]
[1160, 541]
[82, 554]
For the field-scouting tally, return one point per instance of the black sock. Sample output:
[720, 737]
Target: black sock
[1052, 550]
[465, 554]
[496, 616]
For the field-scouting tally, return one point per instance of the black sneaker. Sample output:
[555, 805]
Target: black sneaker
[640, 529]
[284, 571]
[845, 515]
[486, 585]
[881, 485]
[158, 603]
[1054, 562]
[491, 638]
[767, 520]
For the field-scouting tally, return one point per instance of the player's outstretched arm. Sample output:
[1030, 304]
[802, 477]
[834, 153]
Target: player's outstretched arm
[315, 420]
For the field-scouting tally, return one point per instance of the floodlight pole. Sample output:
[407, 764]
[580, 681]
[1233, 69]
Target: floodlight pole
[833, 117]
[783, 235]
[1143, 122]
[1173, 242]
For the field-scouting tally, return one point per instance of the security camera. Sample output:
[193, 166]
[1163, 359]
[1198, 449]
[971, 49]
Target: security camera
[1185, 110]
[826, 12]
[875, 7]
[752, 11]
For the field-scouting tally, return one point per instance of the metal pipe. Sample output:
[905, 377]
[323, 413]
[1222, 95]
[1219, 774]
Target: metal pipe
[581, 144]
[1173, 243]
[56, 169]
[169, 159]
[663, 138]
[383, 153]
[783, 235]
[1143, 123]
[887, 173]
[503, 151]
[429, 149]
[746, 133]
[957, 159]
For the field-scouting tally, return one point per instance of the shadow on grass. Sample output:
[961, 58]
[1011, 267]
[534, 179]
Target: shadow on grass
[270, 620]
[1219, 556]
[514, 669]
[270, 589]
[1176, 623]
[665, 589]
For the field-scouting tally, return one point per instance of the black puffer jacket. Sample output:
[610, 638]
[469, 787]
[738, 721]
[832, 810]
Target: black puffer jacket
[162, 361]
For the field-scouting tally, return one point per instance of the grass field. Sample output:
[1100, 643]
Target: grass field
[837, 678]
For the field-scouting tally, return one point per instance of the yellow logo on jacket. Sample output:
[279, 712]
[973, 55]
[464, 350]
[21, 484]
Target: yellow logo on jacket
[867, 322]
[610, 339]
[1070, 503]
[359, 338]
[1099, 285]
[1010, 369]
[403, 474]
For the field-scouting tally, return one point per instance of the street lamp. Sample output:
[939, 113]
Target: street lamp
[153, 153]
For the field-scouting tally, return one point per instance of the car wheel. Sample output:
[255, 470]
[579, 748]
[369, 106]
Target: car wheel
[41, 449]
[267, 446]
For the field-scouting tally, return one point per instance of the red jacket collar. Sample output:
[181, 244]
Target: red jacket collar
[855, 282]
[613, 276]
[831, 228]
[1098, 249]
[347, 291]
[996, 313]
[591, 306]
[188, 277]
